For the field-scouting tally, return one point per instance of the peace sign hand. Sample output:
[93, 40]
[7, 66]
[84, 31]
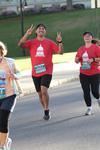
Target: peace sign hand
[59, 37]
[30, 30]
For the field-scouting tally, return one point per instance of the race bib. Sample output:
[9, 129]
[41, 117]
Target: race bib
[2, 93]
[2, 82]
[40, 68]
[86, 66]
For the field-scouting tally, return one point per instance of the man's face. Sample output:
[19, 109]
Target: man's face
[40, 31]
[87, 37]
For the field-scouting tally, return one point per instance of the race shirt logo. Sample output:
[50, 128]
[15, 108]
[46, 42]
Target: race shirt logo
[40, 51]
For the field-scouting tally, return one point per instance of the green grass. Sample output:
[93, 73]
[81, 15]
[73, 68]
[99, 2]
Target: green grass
[71, 24]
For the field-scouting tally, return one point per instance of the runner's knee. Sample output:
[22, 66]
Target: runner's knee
[44, 90]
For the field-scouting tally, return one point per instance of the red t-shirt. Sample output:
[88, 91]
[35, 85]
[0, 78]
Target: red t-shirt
[92, 51]
[41, 53]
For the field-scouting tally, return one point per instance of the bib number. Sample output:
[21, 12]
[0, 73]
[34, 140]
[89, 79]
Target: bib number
[86, 66]
[2, 93]
[40, 68]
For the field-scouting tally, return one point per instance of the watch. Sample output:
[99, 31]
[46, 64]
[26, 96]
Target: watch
[59, 41]
[93, 59]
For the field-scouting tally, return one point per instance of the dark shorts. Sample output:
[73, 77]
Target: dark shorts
[8, 103]
[44, 80]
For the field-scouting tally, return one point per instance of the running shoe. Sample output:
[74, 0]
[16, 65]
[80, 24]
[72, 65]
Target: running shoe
[8, 145]
[46, 115]
[89, 112]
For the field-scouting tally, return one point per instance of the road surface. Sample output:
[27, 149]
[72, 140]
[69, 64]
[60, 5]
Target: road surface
[68, 128]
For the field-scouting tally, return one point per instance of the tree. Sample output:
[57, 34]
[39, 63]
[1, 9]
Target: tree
[69, 5]
[25, 2]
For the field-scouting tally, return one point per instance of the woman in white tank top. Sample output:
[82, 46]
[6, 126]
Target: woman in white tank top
[8, 74]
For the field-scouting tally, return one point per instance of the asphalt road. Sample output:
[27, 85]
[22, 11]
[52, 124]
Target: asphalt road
[68, 128]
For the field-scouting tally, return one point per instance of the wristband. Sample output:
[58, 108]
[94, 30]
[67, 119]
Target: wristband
[59, 41]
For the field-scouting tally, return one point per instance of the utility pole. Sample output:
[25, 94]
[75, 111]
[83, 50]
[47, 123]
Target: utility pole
[22, 22]
[96, 3]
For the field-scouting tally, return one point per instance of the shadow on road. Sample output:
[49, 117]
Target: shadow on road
[62, 121]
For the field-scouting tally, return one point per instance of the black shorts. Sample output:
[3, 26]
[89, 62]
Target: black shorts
[8, 103]
[42, 81]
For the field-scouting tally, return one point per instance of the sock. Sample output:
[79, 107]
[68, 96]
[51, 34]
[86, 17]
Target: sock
[90, 107]
[46, 112]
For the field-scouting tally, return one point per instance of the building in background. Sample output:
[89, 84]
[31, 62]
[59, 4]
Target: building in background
[13, 6]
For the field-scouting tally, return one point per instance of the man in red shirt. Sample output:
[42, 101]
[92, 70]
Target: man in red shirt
[41, 51]
[89, 56]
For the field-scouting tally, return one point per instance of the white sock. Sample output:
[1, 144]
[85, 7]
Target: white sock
[90, 107]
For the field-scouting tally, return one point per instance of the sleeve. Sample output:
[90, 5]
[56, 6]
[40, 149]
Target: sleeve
[26, 44]
[97, 51]
[78, 54]
[54, 47]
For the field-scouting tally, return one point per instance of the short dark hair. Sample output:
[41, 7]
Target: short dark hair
[40, 25]
[87, 32]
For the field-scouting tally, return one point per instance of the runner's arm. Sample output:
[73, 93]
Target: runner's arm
[61, 50]
[25, 37]
[60, 44]
[78, 56]
[77, 59]
[96, 59]
[17, 76]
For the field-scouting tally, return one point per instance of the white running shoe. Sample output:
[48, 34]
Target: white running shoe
[3, 148]
[89, 111]
[8, 145]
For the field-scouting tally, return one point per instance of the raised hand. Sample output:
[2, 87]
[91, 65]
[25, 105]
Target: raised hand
[24, 38]
[59, 37]
[77, 59]
[30, 30]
